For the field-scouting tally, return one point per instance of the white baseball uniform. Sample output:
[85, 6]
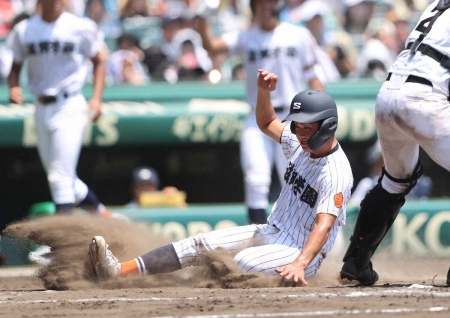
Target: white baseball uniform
[312, 186]
[56, 53]
[412, 114]
[286, 51]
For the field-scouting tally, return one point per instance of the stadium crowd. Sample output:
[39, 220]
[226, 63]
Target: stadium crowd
[154, 40]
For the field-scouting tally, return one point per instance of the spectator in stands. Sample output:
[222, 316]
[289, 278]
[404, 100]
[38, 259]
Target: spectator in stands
[24, 6]
[336, 43]
[180, 55]
[6, 16]
[379, 51]
[107, 23]
[406, 15]
[125, 64]
[187, 64]
[146, 180]
[233, 15]
[313, 14]
[289, 12]
[111, 7]
[357, 14]
[134, 8]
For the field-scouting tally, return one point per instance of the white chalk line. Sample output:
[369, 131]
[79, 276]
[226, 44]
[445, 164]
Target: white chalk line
[320, 313]
[419, 291]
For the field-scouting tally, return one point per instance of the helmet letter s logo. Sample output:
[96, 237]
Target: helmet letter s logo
[297, 105]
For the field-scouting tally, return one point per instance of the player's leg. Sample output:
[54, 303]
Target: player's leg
[67, 125]
[87, 199]
[171, 257]
[256, 168]
[382, 204]
[45, 147]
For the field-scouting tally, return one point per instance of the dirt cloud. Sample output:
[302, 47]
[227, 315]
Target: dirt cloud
[69, 237]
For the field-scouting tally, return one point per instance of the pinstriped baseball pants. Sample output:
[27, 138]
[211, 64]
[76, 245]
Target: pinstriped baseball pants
[257, 248]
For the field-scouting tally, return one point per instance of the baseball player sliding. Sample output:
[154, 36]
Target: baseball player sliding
[56, 46]
[286, 50]
[412, 110]
[305, 219]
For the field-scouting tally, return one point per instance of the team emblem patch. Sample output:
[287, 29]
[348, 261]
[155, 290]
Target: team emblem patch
[339, 200]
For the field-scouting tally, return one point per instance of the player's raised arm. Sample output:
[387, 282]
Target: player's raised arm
[265, 115]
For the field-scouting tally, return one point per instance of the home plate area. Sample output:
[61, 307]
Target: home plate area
[406, 289]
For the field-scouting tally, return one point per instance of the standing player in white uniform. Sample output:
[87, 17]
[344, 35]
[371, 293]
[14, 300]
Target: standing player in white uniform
[56, 46]
[305, 219]
[286, 50]
[412, 110]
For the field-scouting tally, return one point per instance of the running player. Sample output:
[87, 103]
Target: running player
[56, 46]
[305, 219]
[412, 110]
[286, 50]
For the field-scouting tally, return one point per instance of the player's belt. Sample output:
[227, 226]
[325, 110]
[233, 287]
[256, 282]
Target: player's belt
[414, 79]
[442, 59]
[50, 99]
[46, 99]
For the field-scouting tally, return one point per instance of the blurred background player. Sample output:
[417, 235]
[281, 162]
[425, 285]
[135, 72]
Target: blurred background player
[145, 182]
[56, 45]
[278, 47]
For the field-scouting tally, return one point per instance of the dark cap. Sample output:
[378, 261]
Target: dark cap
[145, 174]
[310, 106]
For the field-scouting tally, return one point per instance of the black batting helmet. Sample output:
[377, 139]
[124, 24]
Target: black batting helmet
[310, 106]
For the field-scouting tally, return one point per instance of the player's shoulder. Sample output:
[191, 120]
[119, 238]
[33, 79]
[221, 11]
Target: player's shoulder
[341, 156]
[78, 22]
[285, 26]
[22, 25]
[293, 31]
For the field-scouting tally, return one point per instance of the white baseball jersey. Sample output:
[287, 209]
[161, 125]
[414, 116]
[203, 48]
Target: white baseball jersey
[419, 64]
[56, 52]
[312, 186]
[285, 51]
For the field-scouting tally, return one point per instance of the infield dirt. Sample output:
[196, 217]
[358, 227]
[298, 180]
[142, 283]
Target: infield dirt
[407, 287]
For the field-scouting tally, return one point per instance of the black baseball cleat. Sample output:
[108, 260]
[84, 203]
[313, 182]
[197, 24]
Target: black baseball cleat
[366, 277]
